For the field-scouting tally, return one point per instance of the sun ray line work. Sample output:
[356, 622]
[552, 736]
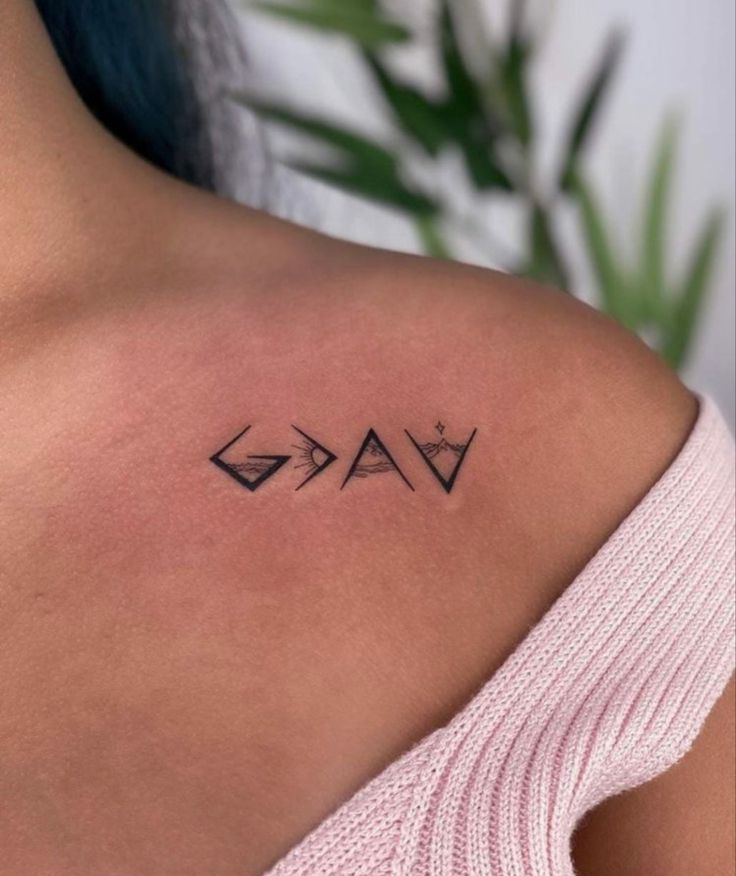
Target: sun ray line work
[315, 457]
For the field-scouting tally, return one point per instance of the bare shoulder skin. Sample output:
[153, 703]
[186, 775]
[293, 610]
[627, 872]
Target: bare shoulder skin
[186, 652]
[207, 645]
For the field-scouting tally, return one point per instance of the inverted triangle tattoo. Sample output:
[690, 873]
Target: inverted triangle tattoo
[433, 452]
[373, 458]
[253, 471]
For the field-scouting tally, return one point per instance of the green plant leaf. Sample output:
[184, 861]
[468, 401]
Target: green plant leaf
[357, 21]
[545, 263]
[420, 118]
[431, 238]
[514, 88]
[652, 270]
[688, 305]
[356, 146]
[361, 166]
[485, 172]
[364, 5]
[611, 278]
[465, 95]
[474, 127]
[386, 188]
[587, 112]
[513, 75]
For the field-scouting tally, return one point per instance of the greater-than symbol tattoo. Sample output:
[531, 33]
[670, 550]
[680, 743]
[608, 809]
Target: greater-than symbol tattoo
[373, 458]
[314, 457]
[444, 459]
[250, 471]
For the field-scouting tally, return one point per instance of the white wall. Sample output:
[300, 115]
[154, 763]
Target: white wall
[680, 54]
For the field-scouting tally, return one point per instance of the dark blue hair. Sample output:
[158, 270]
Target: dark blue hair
[133, 73]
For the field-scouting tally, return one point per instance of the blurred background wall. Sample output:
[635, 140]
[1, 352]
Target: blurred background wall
[679, 55]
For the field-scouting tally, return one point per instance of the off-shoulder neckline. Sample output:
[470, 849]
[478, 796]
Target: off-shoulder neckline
[708, 418]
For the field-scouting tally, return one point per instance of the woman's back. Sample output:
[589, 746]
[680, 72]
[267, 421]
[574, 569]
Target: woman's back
[210, 644]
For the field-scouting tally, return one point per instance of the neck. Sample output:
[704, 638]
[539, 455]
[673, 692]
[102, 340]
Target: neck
[70, 194]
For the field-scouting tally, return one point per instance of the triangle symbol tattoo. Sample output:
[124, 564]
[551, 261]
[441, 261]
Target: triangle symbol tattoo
[315, 458]
[254, 471]
[430, 452]
[373, 458]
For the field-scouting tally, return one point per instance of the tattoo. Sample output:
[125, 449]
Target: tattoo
[263, 467]
[443, 457]
[373, 458]
[315, 458]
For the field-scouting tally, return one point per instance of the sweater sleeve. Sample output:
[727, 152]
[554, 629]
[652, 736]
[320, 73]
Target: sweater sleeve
[677, 643]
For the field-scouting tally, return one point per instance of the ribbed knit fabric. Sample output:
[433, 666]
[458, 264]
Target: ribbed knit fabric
[608, 690]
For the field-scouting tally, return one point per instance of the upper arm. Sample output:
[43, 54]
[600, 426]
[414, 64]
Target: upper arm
[679, 824]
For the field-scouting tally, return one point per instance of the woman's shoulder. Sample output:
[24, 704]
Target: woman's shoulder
[294, 328]
[564, 396]
[319, 492]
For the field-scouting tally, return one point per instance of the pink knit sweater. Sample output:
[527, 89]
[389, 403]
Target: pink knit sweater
[608, 690]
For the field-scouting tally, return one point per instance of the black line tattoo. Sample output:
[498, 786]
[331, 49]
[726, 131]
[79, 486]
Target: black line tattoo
[443, 458]
[377, 460]
[263, 467]
[314, 457]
